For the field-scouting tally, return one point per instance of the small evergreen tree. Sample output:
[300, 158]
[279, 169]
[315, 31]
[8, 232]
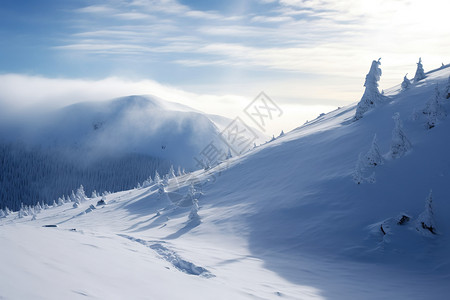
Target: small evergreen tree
[406, 83]
[94, 194]
[2, 213]
[426, 218]
[38, 208]
[433, 109]
[72, 197]
[360, 170]
[371, 96]
[282, 133]
[420, 74]
[81, 194]
[60, 201]
[148, 182]
[179, 173]
[400, 143]
[193, 215]
[157, 177]
[373, 157]
[171, 173]
[21, 213]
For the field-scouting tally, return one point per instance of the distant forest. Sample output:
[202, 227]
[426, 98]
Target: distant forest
[32, 175]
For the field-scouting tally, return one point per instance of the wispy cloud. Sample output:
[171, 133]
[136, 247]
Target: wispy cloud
[294, 35]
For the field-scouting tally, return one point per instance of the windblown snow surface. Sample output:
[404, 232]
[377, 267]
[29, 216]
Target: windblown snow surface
[283, 221]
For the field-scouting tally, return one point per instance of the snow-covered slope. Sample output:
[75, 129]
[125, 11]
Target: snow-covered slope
[284, 221]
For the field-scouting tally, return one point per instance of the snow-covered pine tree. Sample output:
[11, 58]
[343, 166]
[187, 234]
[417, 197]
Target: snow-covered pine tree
[193, 215]
[426, 218]
[400, 143]
[358, 171]
[281, 133]
[60, 201]
[373, 157]
[179, 173]
[371, 96]
[73, 198]
[171, 172]
[81, 195]
[94, 194]
[2, 213]
[420, 74]
[148, 182]
[406, 83]
[433, 109]
[21, 213]
[37, 208]
[157, 178]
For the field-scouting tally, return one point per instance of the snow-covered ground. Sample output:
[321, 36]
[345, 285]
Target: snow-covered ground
[283, 221]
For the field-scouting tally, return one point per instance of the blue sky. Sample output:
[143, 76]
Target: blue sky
[301, 52]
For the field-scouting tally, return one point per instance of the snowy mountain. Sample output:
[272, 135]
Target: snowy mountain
[88, 142]
[324, 212]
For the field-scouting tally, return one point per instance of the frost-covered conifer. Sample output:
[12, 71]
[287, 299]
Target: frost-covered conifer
[54, 204]
[193, 215]
[400, 143]
[2, 213]
[420, 74]
[171, 173]
[406, 83]
[371, 96]
[426, 218]
[157, 177]
[21, 213]
[73, 198]
[360, 170]
[81, 194]
[94, 194]
[281, 133]
[433, 109]
[179, 173]
[148, 182]
[37, 208]
[373, 157]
